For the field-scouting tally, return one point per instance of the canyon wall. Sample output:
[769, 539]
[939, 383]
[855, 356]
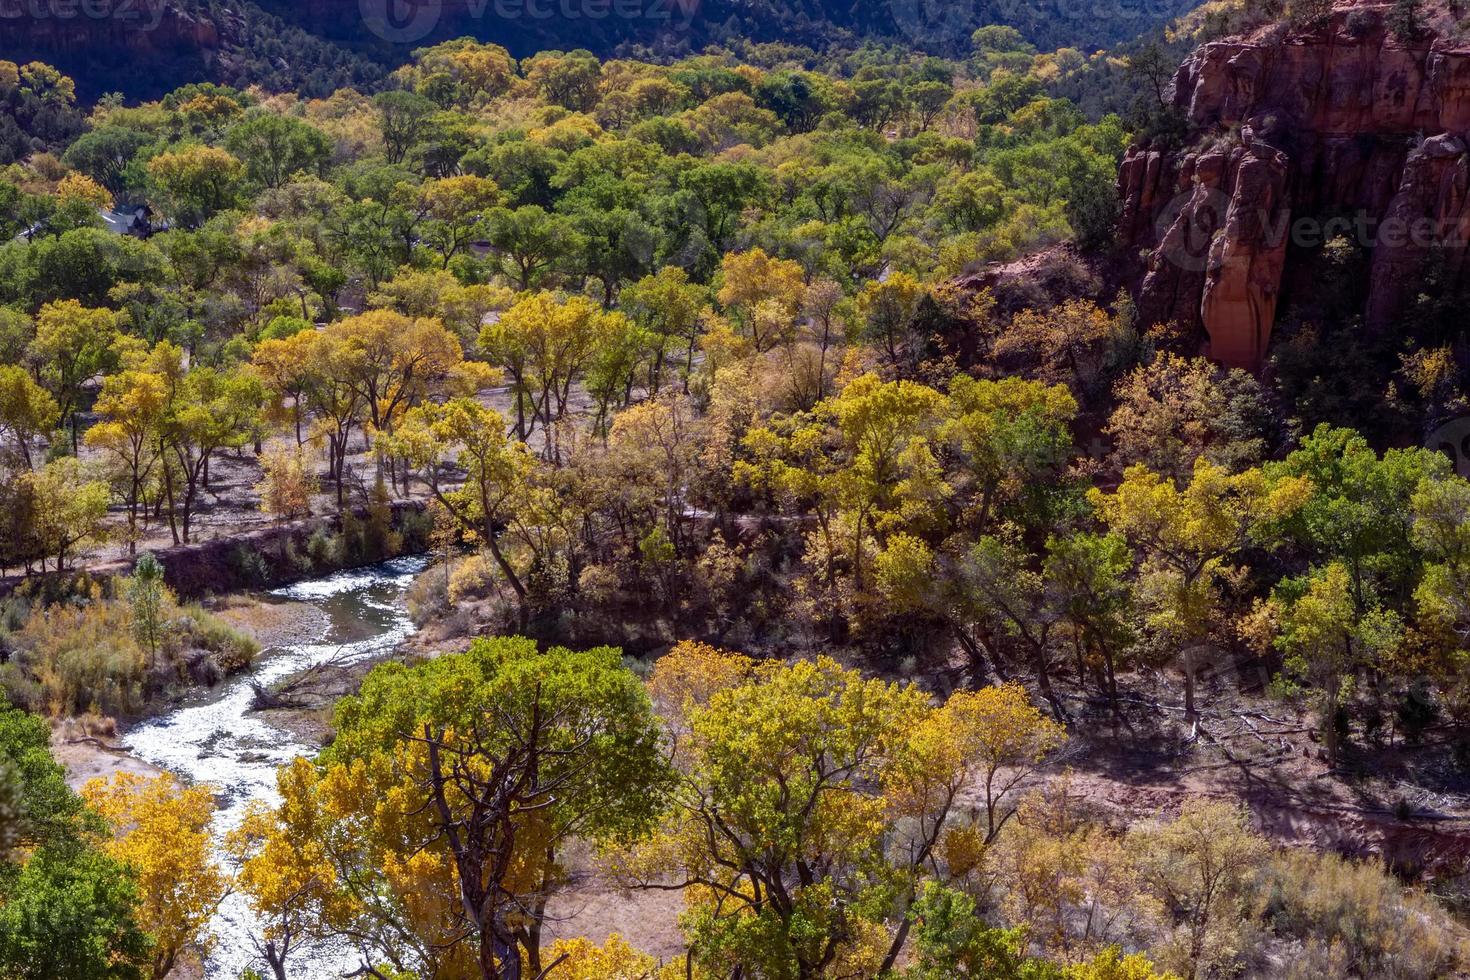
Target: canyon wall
[1290, 129]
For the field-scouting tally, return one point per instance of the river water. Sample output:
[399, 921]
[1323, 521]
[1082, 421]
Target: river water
[215, 739]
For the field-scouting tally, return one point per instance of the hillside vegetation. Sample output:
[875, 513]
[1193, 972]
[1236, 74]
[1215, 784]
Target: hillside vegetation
[817, 531]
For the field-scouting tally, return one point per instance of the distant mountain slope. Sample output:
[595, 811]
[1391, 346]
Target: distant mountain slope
[147, 47]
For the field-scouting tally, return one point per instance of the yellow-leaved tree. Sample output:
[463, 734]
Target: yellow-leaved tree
[161, 831]
[811, 803]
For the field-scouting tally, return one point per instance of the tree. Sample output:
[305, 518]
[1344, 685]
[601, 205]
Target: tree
[1360, 509]
[1405, 20]
[544, 345]
[66, 917]
[1067, 344]
[667, 305]
[579, 959]
[497, 470]
[396, 361]
[333, 389]
[1326, 637]
[104, 154]
[27, 410]
[1198, 867]
[149, 599]
[1085, 576]
[403, 117]
[1013, 439]
[766, 292]
[132, 405]
[1186, 537]
[456, 212]
[66, 909]
[805, 793]
[161, 832]
[1175, 410]
[287, 369]
[863, 461]
[953, 942]
[565, 78]
[66, 509]
[208, 410]
[194, 183]
[288, 484]
[483, 765]
[889, 309]
[718, 193]
[1151, 64]
[530, 243]
[777, 826]
[275, 148]
[73, 344]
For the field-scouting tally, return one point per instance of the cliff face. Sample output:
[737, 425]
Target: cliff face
[1298, 138]
[141, 29]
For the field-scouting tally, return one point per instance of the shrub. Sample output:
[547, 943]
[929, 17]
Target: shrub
[81, 656]
[428, 595]
[471, 578]
[1356, 915]
[324, 549]
[91, 656]
[250, 564]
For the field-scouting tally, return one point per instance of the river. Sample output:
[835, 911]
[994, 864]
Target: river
[215, 739]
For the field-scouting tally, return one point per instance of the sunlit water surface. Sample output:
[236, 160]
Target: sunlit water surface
[215, 739]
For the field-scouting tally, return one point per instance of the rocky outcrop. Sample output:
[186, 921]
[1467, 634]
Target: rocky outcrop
[1298, 137]
[140, 28]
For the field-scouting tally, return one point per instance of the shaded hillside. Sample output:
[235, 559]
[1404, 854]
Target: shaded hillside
[148, 47]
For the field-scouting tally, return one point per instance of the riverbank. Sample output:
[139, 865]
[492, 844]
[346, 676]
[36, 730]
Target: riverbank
[266, 558]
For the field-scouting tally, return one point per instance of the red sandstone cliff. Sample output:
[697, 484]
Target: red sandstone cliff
[1289, 128]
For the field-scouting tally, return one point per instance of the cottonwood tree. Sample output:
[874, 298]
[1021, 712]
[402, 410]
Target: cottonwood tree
[544, 344]
[807, 791]
[73, 344]
[497, 472]
[209, 410]
[667, 305]
[27, 411]
[1186, 537]
[161, 832]
[482, 767]
[65, 509]
[132, 404]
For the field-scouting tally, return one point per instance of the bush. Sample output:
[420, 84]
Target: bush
[471, 578]
[427, 595]
[87, 656]
[1357, 917]
[250, 564]
[76, 657]
[324, 549]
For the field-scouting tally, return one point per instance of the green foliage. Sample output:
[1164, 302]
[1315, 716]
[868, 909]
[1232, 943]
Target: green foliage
[66, 910]
[952, 941]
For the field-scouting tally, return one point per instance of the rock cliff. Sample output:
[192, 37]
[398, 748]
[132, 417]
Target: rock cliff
[1297, 137]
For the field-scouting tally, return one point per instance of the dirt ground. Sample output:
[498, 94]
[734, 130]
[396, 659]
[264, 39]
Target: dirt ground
[89, 756]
